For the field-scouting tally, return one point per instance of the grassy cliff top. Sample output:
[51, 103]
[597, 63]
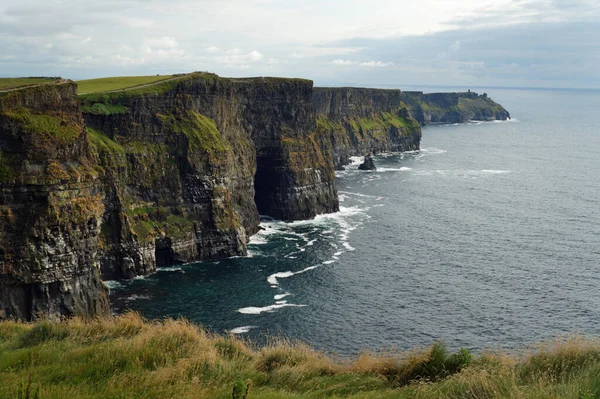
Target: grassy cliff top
[103, 85]
[128, 357]
[17, 83]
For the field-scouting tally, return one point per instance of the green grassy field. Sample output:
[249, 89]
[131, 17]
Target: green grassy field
[128, 357]
[117, 83]
[13, 83]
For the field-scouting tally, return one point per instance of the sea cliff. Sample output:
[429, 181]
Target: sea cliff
[356, 121]
[112, 185]
[453, 107]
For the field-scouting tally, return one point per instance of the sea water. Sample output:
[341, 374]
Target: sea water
[489, 237]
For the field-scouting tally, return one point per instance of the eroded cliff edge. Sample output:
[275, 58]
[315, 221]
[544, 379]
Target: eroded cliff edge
[114, 185]
[50, 207]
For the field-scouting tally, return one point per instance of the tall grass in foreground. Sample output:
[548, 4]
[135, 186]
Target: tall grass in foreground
[129, 357]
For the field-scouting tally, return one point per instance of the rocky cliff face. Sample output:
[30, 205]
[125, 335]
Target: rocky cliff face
[453, 107]
[182, 160]
[50, 207]
[114, 185]
[356, 121]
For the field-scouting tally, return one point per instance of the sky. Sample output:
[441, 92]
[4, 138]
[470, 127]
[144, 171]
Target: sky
[510, 43]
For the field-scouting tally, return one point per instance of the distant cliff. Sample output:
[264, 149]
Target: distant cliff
[113, 185]
[355, 121]
[452, 107]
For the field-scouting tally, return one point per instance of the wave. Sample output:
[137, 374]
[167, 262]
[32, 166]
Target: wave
[402, 169]
[170, 269]
[113, 284]
[270, 308]
[241, 330]
[472, 173]
[135, 297]
[273, 278]
[432, 151]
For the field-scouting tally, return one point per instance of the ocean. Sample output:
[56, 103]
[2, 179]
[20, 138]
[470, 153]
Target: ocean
[487, 238]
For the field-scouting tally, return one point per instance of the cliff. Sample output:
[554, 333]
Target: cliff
[189, 164]
[453, 107]
[356, 121]
[50, 207]
[113, 185]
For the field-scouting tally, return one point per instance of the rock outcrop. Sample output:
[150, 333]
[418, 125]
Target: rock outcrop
[356, 121]
[50, 207]
[453, 107]
[368, 163]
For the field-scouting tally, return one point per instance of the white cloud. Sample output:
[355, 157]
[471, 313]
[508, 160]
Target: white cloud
[376, 64]
[342, 62]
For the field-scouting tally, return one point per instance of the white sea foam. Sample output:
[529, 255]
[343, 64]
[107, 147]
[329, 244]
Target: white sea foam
[136, 297]
[242, 330]
[328, 262]
[281, 296]
[170, 269]
[272, 279]
[462, 173]
[256, 310]
[258, 239]
[349, 247]
[113, 284]
[495, 172]
[355, 161]
[432, 151]
[402, 169]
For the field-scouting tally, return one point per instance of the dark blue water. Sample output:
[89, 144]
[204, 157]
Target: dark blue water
[487, 238]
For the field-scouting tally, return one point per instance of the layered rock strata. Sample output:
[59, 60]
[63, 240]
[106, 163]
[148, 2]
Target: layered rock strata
[356, 121]
[51, 207]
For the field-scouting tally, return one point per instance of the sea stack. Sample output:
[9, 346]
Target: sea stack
[368, 164]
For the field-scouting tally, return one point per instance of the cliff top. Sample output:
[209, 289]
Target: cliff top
[11, 84]
[142, 84]
[117, 83]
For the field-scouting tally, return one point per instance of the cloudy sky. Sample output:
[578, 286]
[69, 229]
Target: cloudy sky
[532, 43]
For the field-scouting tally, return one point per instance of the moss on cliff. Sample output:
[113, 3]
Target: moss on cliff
[201, 132]
[7, 173]
[150, 222]
[57, 127]
[102, 143]
[104, 109]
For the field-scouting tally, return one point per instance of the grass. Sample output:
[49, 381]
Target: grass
[14, 83]
[116, 83]
[55, 126]
[129, 357]
[200, 130]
